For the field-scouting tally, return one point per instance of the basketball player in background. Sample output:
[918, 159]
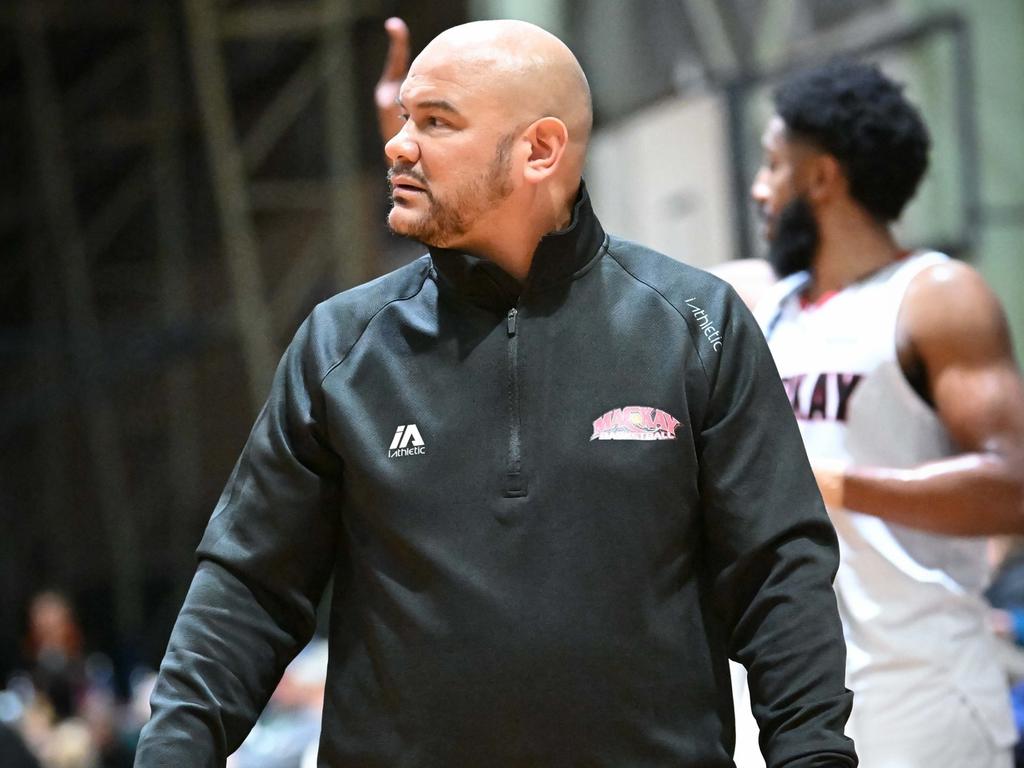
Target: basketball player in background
[900, 369]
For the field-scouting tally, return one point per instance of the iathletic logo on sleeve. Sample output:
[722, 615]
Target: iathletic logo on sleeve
[635, 422]
[407, 442]
[706, 325]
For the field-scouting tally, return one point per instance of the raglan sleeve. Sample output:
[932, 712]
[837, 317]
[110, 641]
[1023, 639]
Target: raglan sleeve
[772, 553]
[263, 563]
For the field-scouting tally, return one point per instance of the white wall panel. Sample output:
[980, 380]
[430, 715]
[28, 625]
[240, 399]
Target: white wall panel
[661, 178]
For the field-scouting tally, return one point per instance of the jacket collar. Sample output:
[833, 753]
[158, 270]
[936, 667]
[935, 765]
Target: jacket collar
[559, 256]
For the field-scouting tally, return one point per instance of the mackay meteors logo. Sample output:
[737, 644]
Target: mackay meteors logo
[635, 422]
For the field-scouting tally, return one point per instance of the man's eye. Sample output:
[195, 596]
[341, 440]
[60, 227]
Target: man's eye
[436, 122]
[404, 117]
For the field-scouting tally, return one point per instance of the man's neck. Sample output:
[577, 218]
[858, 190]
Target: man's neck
[852, 246]
[514, 258]
[510, 241]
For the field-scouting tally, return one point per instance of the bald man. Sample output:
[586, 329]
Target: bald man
[541, 464]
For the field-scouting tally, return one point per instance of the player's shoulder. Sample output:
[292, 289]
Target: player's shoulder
[944, 277]
[940, 285]
[949, 301]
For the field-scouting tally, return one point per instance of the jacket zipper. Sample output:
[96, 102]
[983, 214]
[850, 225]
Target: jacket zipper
[515, 484]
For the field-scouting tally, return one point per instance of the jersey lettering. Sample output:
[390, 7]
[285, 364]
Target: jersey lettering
[825, 396]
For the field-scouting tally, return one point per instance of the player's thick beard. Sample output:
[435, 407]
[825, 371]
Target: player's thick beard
[795, 240]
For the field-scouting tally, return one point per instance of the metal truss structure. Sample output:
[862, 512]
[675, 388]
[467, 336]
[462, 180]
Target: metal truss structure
[117, 305]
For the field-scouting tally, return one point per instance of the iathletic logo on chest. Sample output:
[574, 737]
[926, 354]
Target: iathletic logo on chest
[823, 396]
[635, 422]
[407, 442]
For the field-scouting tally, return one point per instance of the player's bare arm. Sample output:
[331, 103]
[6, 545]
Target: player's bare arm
[954, 326]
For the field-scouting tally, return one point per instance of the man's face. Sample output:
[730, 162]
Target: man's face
[788, 223]
[451, 163]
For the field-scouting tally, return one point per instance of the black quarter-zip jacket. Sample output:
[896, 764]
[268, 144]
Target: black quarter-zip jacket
[552, 511]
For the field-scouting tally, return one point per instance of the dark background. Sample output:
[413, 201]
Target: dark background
[124, 391]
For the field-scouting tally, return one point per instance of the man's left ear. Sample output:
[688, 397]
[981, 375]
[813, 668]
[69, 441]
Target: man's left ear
[548, 139]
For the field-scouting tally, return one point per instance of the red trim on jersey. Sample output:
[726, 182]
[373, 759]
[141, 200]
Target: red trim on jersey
[806, 303]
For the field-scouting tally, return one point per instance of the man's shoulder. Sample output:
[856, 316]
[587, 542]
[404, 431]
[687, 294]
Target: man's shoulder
[678, 283]
[713, 312]
[336, 324]
[369, 297]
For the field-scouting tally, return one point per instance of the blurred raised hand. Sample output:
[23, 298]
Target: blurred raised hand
[395, 67]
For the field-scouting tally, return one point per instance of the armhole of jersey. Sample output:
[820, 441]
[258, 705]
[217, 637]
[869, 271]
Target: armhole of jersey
[913, 266]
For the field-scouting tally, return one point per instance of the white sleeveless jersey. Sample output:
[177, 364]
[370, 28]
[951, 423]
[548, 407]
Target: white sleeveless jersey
[910, 600]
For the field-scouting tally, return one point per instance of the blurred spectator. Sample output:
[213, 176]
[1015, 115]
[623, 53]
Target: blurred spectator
[70, 745]
[62, 708]
[54, 649]
[287, 733]
[13, 752]
[103, 717]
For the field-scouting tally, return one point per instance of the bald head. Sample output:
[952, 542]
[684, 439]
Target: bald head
[525, 69]
[491, 153]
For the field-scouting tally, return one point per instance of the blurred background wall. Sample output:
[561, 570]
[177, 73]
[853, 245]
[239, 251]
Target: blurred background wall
[183, 181]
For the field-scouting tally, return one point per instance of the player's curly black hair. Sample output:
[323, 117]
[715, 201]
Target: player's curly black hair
[861, 117]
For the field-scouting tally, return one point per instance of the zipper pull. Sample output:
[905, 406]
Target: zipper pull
[511, 321]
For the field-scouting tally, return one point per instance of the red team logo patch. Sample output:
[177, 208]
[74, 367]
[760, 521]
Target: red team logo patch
[635, 422]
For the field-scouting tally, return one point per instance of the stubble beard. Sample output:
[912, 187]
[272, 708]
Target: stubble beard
[450, 217]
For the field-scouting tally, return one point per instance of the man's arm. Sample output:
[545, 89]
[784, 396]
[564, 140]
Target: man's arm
[956, 327]
[772, 555]
[385, 95]
[263, 563]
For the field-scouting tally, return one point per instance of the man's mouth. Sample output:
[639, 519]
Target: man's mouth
[406, 183]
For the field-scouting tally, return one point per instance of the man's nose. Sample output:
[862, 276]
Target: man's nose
[759, 189]
[402, 147]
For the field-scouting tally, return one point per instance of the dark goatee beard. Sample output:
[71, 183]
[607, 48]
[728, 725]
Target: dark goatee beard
[795, 240]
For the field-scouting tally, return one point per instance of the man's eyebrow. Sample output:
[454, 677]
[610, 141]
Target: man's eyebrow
[441, 104]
